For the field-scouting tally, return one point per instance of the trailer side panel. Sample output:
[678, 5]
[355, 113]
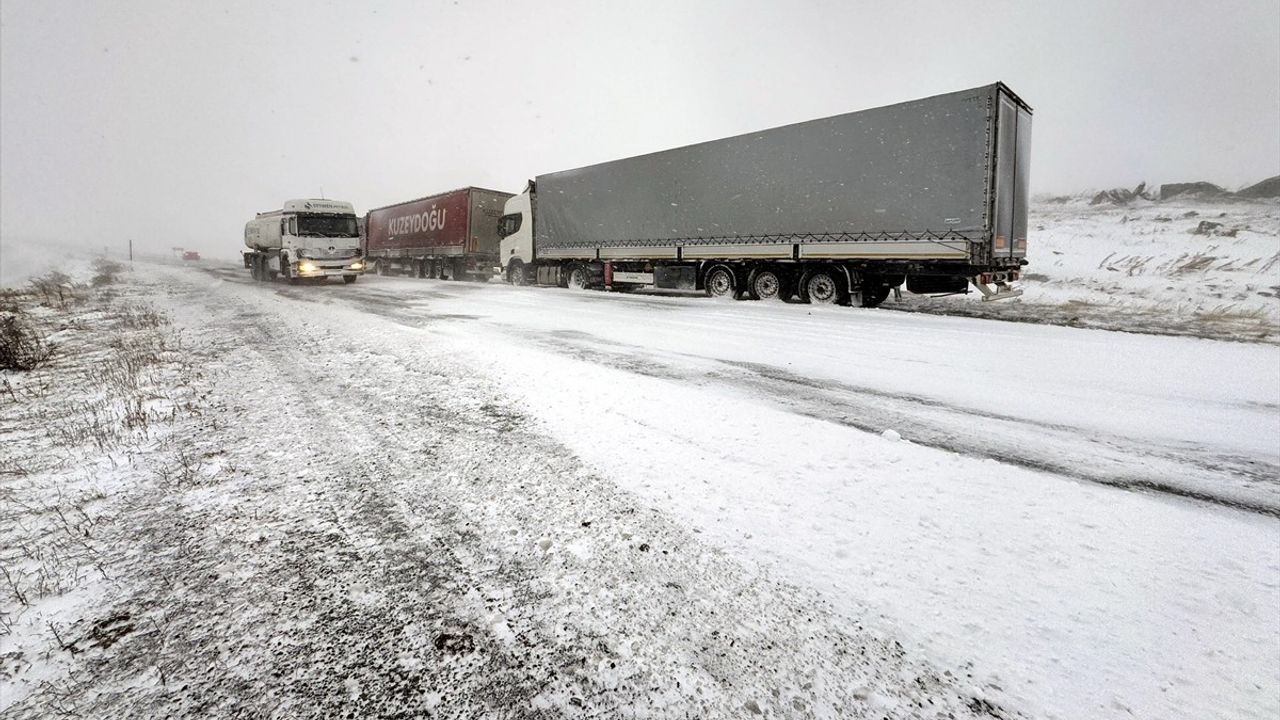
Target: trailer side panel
[911, 180]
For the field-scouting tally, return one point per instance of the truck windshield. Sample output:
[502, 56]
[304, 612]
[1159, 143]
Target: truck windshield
[327, 226]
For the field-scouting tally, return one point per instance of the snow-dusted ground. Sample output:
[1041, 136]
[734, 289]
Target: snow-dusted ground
[993, 534]
[743, 506]
[1142, 268]
[221, 502]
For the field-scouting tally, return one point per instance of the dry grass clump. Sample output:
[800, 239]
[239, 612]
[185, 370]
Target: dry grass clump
[21, 347]
[55, 287]
[105, 271]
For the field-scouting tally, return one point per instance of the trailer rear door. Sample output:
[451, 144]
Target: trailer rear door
[1013, 160]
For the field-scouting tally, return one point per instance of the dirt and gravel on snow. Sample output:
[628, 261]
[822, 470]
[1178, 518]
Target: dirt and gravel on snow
[212, 506]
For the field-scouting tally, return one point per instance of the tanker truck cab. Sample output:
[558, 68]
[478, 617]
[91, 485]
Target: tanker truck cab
[305, 239]
[515, 227]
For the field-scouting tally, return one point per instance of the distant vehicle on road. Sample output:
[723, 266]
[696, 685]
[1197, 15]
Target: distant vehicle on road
[190, 255]
[931, 194]
[305, 239]
[451, 235]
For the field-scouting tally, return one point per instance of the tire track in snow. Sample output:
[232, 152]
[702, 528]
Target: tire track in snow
[1179, 470]
[1186, 471]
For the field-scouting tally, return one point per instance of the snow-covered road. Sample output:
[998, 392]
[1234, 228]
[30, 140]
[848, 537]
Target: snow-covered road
[1086, 520]
[994, 535]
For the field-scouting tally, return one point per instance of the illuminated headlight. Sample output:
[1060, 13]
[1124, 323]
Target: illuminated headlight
[306, 267]
[357, 265]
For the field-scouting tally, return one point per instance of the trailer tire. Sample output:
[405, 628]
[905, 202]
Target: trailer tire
[873, 295]
[787, 289]
[579, 278]
[721, 283]
[823, 286]
[764, 284]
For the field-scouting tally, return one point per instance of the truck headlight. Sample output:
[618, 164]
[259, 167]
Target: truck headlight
[306, 267]
[357, 265]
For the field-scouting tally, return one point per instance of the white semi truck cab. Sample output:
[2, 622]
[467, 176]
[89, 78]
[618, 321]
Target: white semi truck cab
[515, 252]
[305, 239]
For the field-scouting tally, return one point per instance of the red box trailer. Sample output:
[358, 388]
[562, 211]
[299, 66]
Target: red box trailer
[450, 235]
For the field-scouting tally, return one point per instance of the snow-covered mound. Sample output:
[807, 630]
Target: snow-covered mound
[1186, 267]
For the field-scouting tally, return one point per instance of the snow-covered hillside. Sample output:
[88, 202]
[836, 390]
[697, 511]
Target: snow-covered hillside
[1183, 267]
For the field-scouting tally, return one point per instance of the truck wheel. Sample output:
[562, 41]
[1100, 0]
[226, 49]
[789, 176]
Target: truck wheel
[721, 284]
[764, 285]
[348, 279]
[823, 287]
[515, 273]
[578, 278]
[253, 268]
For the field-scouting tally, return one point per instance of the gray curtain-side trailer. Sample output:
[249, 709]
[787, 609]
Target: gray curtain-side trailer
[930, 192]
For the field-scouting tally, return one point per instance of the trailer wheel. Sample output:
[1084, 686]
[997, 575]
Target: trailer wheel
[823, 287]
[873, 295]
[254, 272]
[578, 278]
[764, 285]
[788, 284]
[721, 283]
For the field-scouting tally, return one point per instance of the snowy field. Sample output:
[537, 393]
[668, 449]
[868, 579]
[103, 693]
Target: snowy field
[1143, 268]
[459, 499]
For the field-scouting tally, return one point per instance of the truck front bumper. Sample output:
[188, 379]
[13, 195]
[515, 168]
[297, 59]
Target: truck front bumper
[306, 269]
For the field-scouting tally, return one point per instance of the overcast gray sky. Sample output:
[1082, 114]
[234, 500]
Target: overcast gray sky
[172, 123]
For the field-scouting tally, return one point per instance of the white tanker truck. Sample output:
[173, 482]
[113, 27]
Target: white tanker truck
[305, 239]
